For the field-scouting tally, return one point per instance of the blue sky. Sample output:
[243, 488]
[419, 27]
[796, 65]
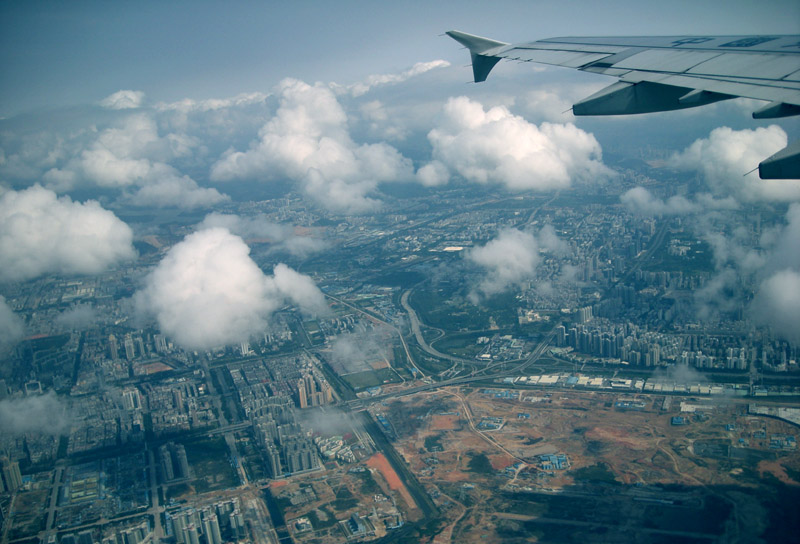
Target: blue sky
[66, 53]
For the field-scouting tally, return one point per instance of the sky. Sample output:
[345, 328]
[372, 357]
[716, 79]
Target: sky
[67, 53]
[106, 106]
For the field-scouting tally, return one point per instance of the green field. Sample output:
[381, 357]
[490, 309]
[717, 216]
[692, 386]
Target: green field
[371, 378]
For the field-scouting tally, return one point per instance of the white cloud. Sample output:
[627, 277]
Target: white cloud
[727, 155]
[260, 227]
[777, 304]
[169, 188]
[44, 414]
[496, 146]
[548, 104]
[308, 141]
[640, 200]
[41, 234]
[78, 317]
[432, 174]
[777, 301]
[213, 104]
[549, 241]
[299, 289]
[123, 100]
[208, 292]
[377, 80]
[133, 156]
[11, 327]
[380, 123]
[353, 352]
[508, 260]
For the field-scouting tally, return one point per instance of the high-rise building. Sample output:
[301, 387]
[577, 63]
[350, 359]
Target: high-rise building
[130, 353]
[113, 347]
[211, 529]
[183, 462]
[12, 478]
[131, 399]
[167, 470]
[561, 336]
[161, 343]
[301, 393]
[140, 346]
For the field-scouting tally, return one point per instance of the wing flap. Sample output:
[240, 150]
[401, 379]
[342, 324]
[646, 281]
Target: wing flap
[789, 94]
[568, 59]
[751, 66]
[666, 60]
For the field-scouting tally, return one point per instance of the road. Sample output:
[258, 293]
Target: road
[415, 328]
[383, 322]
[155, 505]
[476, 376]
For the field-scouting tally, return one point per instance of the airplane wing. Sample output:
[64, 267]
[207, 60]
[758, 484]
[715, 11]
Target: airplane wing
[669, 73]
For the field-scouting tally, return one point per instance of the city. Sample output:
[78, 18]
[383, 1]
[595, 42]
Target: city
[339, 427]
[294, 273]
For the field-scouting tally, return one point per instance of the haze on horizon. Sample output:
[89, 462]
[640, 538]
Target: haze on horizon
[182, 105]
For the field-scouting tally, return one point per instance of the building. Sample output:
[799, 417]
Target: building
[12, 478]
[113, 347]
[131, 399]
[174, 464]
[130, 353]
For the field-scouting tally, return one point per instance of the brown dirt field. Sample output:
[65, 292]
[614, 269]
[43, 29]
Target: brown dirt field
[278, 483]
[499, 462]
[619, 436]
[455, 476]
[377, 365]
[776, 469]
[444, 423]
[154, 368]
[379, 462]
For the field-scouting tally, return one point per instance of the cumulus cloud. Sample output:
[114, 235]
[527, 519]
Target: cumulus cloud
[299, 289]
[380, 123]
[168, 188]
[133, 156]
[786, 244]
[549, 241]
[78, 316]
[43, 414]
[376, 80]
[496, 146]
[432, 174]
[777, 300]
[212, 104]
[640, 200]
[777, 304]
[11, 327]
[307, 141]
[508, 260]
[260, 227]
[727, 155]
[123, 100]
[548, 104]
[208, 292]
[41, 233]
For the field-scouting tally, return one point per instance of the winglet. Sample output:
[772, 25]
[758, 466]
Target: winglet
[481, 64]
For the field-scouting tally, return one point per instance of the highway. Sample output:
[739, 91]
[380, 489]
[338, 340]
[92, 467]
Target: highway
[475, 376]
